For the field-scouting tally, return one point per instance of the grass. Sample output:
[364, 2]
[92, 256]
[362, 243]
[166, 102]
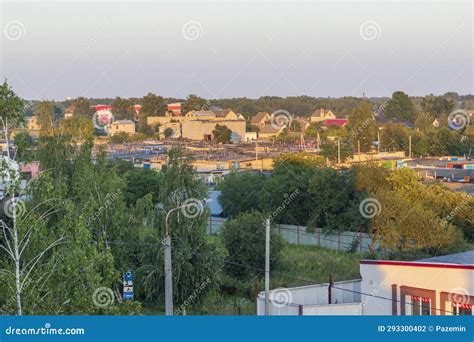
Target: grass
[299, 265]
[305, 265]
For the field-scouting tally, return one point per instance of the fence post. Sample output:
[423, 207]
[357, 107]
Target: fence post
[338, 241]
[210, 225]
[319, 236]
[298, 234]
[361, 239]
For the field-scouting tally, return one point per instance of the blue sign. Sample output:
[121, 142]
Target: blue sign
[128, 285]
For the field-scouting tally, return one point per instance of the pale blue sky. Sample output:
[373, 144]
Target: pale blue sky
[242, 48]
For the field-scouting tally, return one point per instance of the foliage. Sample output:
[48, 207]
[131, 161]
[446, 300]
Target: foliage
[244, 239]
[240, 192]
[394, 137]
[336, 203]
[194, 102]
[363, 128]
[119, 138]
[82, 108]
[152, 105]
[23, 142]
[77, 128]
[222, 134]
[400, 106]
[46, 120]
[122, 109]
[437, 106]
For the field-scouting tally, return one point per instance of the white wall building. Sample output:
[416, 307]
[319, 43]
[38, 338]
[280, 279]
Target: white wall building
[435, 286]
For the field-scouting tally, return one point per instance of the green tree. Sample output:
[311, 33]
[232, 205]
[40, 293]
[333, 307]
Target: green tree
[336, 203]
[77, 128]
[152, 105]
[330, 150]
[194, 102]
[240, 192]
[23, 142]
[196, 259]
[394, 137]
[363, 128]
[424, 121]
[123, 109]
[82, 107]
[400, 106]
[168, 132]
[45, 113]
[222, 134]
[119, 138]
[244, 239]
[437, 106]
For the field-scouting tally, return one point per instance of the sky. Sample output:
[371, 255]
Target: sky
[225, 49]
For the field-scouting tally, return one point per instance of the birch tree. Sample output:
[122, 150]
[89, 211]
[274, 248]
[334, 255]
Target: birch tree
[16, 229]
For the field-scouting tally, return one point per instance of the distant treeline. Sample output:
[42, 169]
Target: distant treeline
[297, 105]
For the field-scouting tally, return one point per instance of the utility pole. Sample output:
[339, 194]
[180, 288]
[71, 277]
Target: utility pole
[168, 265]
[338, 150]
[378, 141]
[409, 146]
[358, 148]
[168, 269]
[267, 267]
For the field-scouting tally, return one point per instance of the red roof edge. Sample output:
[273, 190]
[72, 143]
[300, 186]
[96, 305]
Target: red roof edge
[415, 264]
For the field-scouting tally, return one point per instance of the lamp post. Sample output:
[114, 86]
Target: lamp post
[167, 253]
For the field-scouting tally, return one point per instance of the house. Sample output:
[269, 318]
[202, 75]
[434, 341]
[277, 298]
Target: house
[260, 119]
[441, 285]
[122, 126]
[201, 115]
[228, 114]
[304, 124]
[202, 129]
[32, 123]
[251, 136]
[174, 108]
[321, 115]
[270, 131]
[335, 122]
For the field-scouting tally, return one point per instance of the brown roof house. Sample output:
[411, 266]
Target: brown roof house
[321, 115]
[260, 119]
[270, 131]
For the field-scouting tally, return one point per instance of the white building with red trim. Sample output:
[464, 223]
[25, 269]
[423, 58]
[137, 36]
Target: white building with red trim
[435, 286]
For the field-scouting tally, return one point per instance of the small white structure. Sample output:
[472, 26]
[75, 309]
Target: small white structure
[314, 300]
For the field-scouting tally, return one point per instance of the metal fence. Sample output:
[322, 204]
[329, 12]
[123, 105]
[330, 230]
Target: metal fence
[341, 241]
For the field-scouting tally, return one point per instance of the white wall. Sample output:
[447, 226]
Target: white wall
[311, 295]
[377, 280]
[352, 309]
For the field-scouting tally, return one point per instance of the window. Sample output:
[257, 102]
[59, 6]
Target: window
[418, 306]
[460, 309]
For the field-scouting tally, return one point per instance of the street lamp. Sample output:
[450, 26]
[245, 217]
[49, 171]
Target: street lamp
[167, 252]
